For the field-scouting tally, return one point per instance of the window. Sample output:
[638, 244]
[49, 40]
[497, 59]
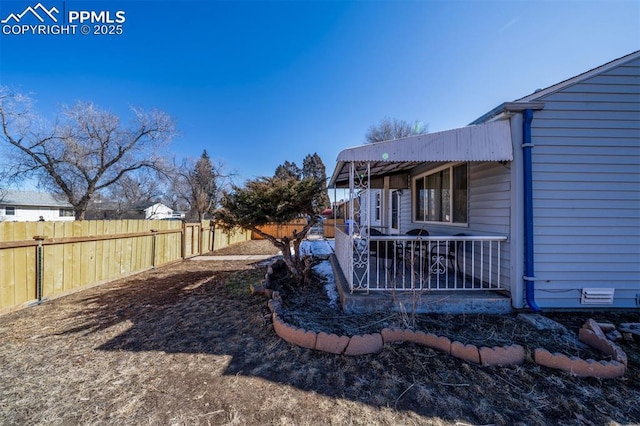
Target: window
[441, 196]
[395, 210]
[65, 213]
[378, 206]
[10, 211]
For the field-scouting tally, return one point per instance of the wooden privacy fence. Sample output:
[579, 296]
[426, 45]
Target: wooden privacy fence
[47, 259]
[329, 227]
[286, 230]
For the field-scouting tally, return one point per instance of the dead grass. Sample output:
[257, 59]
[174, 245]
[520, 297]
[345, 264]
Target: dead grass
[186, 344]
[248, 247]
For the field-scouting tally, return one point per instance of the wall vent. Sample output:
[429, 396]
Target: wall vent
[597, 296]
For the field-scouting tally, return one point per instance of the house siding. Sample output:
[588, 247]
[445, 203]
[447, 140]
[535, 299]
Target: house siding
[490, 209]
[586, 183]
[33, 213]
[371, 207]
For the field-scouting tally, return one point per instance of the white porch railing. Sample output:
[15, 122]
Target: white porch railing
[442, 263]
[344, 254]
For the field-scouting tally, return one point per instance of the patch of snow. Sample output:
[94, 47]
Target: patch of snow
[324, 269]
[322, 248]
[316, 247]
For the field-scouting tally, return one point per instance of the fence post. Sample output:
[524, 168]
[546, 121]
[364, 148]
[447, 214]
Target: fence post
[212, 227]
[39, 267]
[183, 246]
[154, 233]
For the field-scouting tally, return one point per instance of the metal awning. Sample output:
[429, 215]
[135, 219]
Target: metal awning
[483, 142]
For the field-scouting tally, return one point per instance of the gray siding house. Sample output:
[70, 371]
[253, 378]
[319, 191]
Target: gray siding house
[536, 204]
[24, 206]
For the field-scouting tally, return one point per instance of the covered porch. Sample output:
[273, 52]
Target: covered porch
[388, 258]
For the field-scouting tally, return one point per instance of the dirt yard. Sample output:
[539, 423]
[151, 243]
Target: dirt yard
[187, 344]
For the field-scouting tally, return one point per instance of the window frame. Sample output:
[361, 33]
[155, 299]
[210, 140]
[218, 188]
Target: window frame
[62, 211]
[378, 206]
[6, 210]
[437, 170]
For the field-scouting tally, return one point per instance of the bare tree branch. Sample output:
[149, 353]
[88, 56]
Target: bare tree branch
[200, 184]
[393, 128]
[85, 151]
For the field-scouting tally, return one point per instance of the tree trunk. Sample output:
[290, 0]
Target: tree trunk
[80, 210]
[284, 245]
[291, 263]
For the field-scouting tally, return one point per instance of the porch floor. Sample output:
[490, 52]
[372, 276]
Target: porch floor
[420, 301]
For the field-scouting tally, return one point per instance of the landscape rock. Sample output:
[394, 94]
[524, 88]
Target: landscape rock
[579, 367]
[542, 323]
[606, 327]
[432, 341]
[256, 289]
[293, 335]
[632, 328]
[600, 369]
[390, 335]
[597, 341]
[274, 305]
[331, 343]
[614, 335]
[466, 352]
[595, 327]
[506, 355]
[366, 344]
[593, 335]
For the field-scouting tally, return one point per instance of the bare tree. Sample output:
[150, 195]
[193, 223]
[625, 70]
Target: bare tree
[199, 184]
[3, 188]
[136, 188]
[85, 151]
[142, 186]
[393, 128]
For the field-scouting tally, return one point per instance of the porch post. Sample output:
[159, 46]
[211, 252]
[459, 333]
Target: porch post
[359, 184]
[350, 228]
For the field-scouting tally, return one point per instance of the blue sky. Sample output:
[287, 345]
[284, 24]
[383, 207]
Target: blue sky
[258, 83]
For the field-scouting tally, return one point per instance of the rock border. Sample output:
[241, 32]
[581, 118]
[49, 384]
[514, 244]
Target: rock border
[591, 334]
[374, 343]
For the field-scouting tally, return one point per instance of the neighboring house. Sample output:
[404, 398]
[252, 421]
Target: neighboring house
[153, 211]
[149, 210]
[22, 206]
[159, 211]
[538, 200]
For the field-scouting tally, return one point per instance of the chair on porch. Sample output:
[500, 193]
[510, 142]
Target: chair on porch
[383, 251]
[414, 251]
[373, 245]
[447, 254]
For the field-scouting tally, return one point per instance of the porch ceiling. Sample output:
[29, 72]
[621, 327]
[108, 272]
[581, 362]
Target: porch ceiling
[484, 142]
